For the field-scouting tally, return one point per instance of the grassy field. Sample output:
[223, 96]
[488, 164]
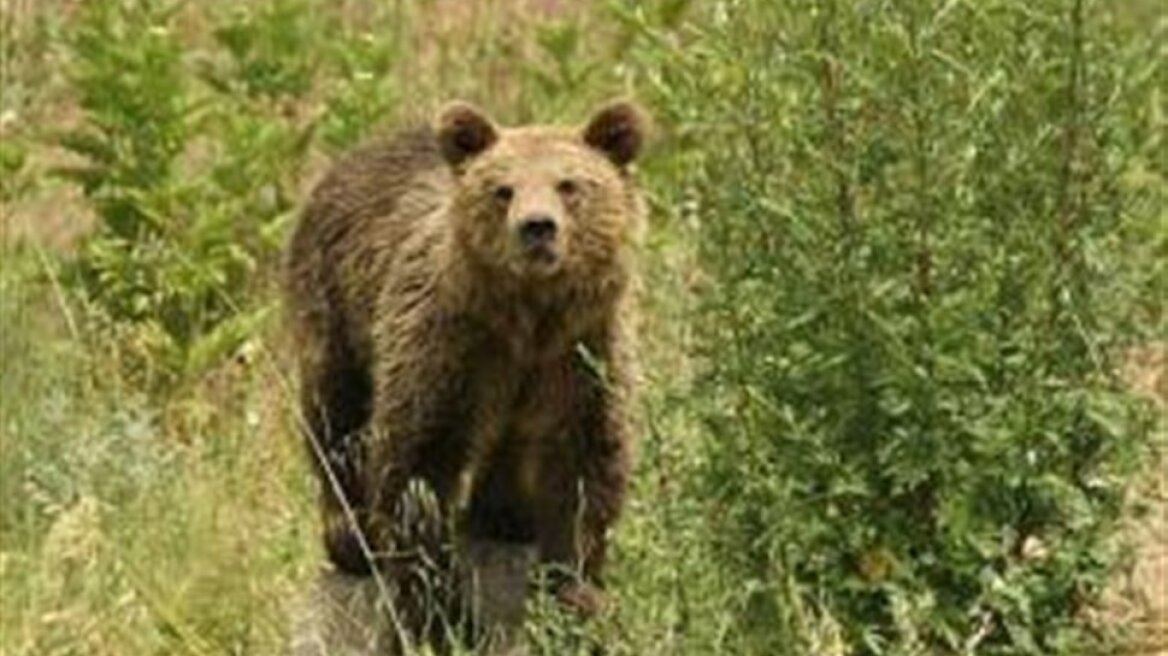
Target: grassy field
[154, 495]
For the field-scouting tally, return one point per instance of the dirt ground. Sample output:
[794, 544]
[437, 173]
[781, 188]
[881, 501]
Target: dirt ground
[1139, 599]
[340, 616]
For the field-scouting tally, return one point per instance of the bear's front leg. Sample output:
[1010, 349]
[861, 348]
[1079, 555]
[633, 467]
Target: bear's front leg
[584, 485]
[415, 457]
[581, 500]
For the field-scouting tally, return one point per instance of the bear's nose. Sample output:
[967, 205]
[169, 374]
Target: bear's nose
[537, 229]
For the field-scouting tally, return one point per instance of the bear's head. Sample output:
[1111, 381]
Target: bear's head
[542, 203]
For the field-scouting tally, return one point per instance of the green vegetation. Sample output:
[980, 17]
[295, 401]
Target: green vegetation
[910, 351]
[898, 252]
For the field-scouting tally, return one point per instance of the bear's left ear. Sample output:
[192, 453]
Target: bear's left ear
[463, 132]
[618, 130]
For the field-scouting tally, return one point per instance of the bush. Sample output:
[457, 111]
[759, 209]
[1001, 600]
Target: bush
[163, 253]
[904, 211]
[191, 178]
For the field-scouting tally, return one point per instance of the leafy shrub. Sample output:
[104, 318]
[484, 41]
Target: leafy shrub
[190, 188]
[267, 57]
[13, 158]
[904, 210]
[362, 94]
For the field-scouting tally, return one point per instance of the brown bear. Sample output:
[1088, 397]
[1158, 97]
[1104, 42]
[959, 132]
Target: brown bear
[460, 296]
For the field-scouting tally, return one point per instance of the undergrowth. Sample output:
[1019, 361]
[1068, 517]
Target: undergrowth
[896, 252]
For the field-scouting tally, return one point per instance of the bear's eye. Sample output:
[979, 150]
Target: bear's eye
[504, 194]
[567, 187]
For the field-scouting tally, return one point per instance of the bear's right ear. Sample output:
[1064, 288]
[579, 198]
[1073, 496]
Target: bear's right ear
[463, 132]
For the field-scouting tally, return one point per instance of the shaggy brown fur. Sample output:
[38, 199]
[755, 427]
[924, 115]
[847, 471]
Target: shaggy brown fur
[460, 300]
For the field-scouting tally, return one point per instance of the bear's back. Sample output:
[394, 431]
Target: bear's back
[368, 180]
[372, 202]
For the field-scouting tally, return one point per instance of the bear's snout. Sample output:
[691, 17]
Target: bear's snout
[537, 230]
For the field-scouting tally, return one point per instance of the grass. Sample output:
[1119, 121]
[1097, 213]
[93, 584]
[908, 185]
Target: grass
[137, 519]
[139, 529]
